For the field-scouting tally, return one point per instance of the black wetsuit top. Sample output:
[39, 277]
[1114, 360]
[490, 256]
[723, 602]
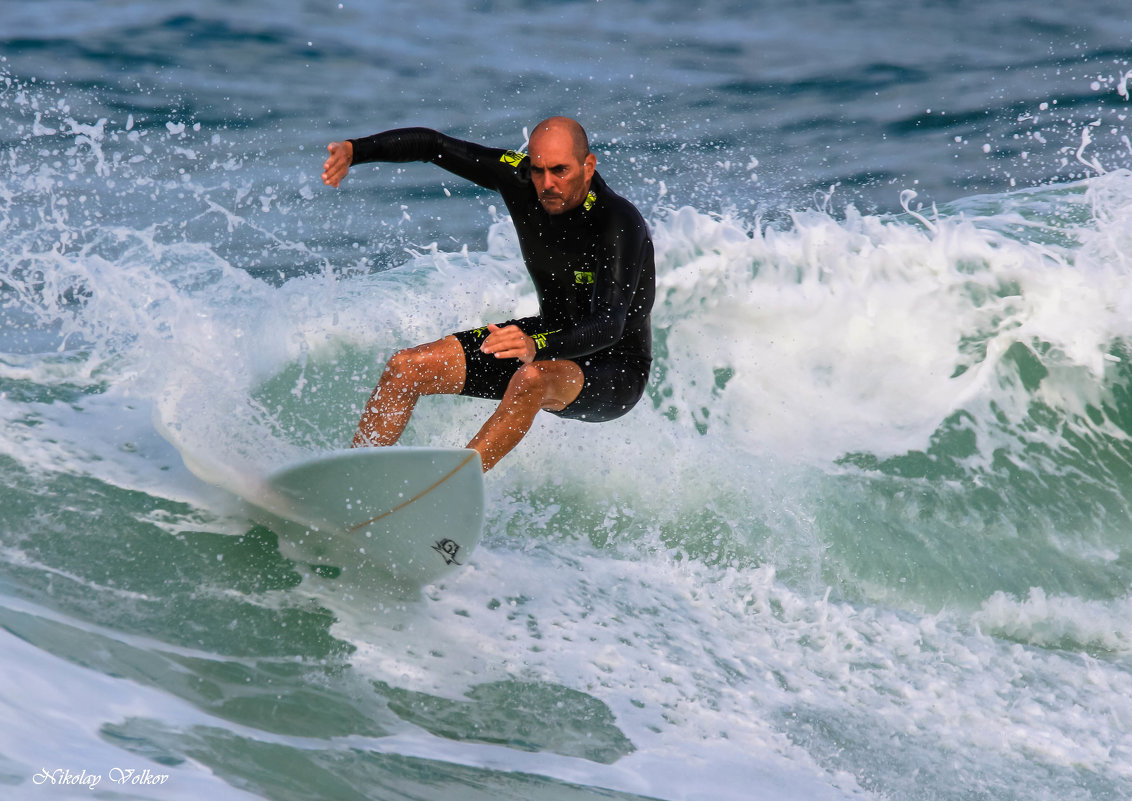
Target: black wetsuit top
[592, 266]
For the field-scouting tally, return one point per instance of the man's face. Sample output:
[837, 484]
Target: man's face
[560, 179]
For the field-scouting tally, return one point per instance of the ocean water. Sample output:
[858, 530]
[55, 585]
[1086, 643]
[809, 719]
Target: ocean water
[869, 535]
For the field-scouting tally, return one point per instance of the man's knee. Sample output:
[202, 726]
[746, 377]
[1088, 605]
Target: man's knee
[435, 367]
[402, 366]
[553, 384]
[529, 379]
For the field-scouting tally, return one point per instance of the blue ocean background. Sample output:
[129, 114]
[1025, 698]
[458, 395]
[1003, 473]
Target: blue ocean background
[868, 536]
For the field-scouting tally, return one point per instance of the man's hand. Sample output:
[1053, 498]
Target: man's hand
[509, 343]
[338, 163]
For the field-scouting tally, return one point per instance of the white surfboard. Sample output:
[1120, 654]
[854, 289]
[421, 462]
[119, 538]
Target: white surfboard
[371, 514]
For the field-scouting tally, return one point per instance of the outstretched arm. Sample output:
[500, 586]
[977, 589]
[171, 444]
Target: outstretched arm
[482, 165]
[338, 163]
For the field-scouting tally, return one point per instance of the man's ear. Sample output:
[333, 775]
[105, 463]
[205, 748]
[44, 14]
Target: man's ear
[590, 165]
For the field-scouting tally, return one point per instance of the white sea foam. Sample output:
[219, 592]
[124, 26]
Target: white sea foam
[59, 713]
[1059, 621]
[652, 562]
[735, 671]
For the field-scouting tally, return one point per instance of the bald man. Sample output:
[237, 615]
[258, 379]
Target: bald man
[586, 355]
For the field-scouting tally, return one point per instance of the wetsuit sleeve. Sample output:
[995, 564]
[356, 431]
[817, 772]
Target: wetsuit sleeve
[627, 248]
[476, 163]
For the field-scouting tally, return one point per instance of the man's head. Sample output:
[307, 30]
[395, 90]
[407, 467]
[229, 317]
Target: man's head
[561, 164]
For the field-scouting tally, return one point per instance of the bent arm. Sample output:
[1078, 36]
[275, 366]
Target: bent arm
[615, 297]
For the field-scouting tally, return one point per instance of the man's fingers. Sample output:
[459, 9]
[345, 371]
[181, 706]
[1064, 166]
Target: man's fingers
[508, 343]
[496, 338]
[337, 164]
[521, 353]
[503, 339]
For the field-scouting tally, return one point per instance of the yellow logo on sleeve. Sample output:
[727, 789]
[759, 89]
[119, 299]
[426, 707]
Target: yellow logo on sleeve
[583, 277]
[540, 339]
[512, 157]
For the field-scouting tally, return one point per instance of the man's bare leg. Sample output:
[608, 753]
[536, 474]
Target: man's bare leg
[433, 369]
[538, 385]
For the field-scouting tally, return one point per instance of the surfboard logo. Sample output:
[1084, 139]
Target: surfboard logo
[448, 550]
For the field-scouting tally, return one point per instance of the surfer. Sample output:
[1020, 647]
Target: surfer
[586, 355]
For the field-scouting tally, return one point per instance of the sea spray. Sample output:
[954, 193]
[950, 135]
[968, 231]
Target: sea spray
[865, 538]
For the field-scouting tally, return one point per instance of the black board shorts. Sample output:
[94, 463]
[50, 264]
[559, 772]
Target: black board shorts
[612, 386]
